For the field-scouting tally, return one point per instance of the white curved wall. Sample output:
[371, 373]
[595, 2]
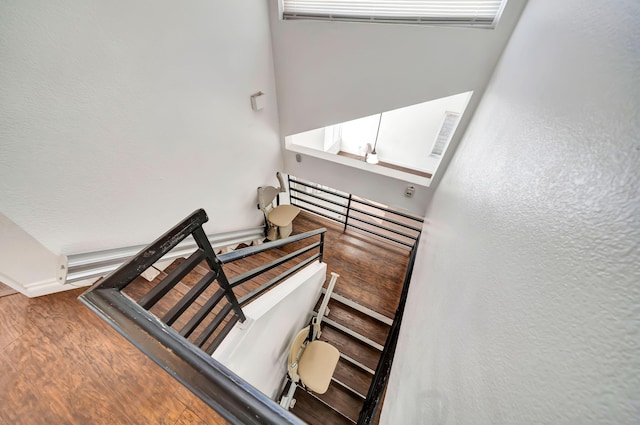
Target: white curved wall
[118, 119]
[524, 306]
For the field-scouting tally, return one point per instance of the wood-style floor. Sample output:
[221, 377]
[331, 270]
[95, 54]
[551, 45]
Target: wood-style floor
[5, 290]
[61, 364]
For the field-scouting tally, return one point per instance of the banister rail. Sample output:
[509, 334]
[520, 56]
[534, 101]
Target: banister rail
[232, 397]
[182, 350]
[253, 250]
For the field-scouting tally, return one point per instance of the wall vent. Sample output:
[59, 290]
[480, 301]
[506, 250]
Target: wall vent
[449, 125]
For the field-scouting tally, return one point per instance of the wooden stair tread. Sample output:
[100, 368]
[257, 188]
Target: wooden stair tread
[313, 411]
[353, 376]
[368, 295]
[353, 348]
[342, 400]
[357, 321]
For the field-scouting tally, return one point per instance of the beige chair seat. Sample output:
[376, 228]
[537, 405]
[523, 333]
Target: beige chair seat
[278, 219]
[317, 364]
[283, 215]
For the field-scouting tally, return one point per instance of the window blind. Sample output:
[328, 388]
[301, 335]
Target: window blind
[447, 12]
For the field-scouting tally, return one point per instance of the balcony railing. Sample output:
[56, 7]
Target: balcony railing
[356, 212]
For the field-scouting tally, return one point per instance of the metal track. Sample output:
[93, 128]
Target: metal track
[362, 309]
[357, 363]
[353, 334]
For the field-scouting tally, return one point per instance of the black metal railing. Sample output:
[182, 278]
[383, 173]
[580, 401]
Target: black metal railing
[184, 351]
[253, 250]
[356, 212]
[381, 377]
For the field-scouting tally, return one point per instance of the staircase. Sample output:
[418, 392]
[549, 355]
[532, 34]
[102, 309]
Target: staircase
[359, 333]
[158, 315]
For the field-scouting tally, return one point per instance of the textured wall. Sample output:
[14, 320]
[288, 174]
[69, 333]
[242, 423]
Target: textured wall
[525, 303]
[118, 119]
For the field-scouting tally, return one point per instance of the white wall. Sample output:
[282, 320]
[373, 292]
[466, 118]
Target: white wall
[118, 119]
[327, 73]
[524, 303]
[39, 272]
[331, 72]
[313, 139]
[257, 350]
[356, 134]
[377, 187]
[406, 135]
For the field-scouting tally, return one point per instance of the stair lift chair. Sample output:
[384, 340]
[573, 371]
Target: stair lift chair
[311, 362]
[278, 219]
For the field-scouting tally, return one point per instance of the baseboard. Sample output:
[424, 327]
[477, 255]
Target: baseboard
[52, 286]
[82, 270]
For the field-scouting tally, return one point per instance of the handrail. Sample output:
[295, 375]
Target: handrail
[383, 369]
[256, 249]
[347, 206]
[231, 396]
[240, 279]
[126, 273]
[380, 217]
[400, 213]
[253, 250]
[235, 399]
[315, 187]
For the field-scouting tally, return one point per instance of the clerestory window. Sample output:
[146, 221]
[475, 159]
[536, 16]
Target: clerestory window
[474, 13]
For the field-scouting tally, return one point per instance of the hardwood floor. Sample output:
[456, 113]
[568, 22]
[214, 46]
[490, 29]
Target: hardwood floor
[61, 364]
[5, 290]
[371, 271]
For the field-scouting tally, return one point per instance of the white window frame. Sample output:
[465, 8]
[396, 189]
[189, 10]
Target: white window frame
[466, 13]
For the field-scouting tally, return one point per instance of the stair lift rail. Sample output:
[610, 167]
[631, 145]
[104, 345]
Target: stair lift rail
[298, 346]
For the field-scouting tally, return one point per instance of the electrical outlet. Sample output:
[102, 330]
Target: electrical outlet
[409, 191]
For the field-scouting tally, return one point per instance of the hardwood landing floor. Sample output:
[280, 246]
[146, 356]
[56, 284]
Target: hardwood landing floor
[61, 364]
[5, 290]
